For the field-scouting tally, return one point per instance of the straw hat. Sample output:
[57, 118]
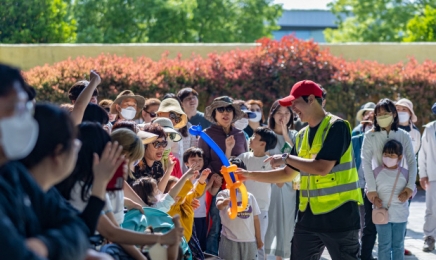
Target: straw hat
[146, 137]
[140, 101]
[404, 102]
[172, 105]
[167, 126]
[223, 101]
[370, 106]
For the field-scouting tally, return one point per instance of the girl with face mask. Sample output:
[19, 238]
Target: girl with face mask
[407, 118]
[386, 127]
[391, 179]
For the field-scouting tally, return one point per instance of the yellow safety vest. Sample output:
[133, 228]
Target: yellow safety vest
[326, 193]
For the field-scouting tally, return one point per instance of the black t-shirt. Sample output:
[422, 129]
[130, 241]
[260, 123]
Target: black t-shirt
[346, 217]
[143, 170]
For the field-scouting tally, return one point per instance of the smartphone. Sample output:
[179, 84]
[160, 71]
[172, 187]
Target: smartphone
[117, 181]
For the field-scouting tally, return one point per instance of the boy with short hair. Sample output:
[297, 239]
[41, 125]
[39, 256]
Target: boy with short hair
[263, 139]
[240, 237]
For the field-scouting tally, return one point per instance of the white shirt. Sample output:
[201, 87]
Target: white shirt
[200, 212]
[165, 203]
[240, 229]
[398, 211]
[116, 200]
[77, 202]
[260, 190]
[427, 154]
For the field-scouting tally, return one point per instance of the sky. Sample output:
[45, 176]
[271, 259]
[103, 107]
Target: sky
[303, 4]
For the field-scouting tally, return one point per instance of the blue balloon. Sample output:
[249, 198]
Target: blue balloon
[198, 131]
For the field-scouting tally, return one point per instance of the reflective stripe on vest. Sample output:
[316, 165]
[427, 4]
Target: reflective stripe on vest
[330, 191]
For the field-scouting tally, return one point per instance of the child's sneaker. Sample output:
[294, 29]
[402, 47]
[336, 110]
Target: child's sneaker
[428, 244]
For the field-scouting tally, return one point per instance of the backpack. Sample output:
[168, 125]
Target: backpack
[160, 221]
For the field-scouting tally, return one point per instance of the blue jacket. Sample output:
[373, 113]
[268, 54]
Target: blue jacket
[28, 212]
[357, 140]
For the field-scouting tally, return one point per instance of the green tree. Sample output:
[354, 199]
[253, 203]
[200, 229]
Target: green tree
[422, 27]
[175, 21]
[373, 20]
[35, 21]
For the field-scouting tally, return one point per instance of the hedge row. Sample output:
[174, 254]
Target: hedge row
[266, 73]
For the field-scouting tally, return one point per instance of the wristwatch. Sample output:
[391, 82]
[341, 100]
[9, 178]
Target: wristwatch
[284, 157]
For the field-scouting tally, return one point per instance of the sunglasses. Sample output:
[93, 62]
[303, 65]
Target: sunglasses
[152, 114]
[176, 118]
[172, 136]
[158, 144]
[227, 109]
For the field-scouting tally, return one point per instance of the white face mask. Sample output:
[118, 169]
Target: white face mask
[128, 113]
[159, 196]
[18, 135]
[241, 124]
[403, 117]
[390, 162]
[257, 118]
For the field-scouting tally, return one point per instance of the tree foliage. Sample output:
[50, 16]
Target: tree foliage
[35, 21]
[422, 27]
[136, 21]
[374, 20]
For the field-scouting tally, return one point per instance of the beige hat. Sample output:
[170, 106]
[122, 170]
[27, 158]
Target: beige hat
[404, 102]
[172, 105]
[140, 101]
[223, 101]
[370, 106]
[167, 126]
[146, 137]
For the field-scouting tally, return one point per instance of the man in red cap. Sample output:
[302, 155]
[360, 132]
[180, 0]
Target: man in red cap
[329, 190]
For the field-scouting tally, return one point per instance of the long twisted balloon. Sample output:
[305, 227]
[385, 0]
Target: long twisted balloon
[232, 181]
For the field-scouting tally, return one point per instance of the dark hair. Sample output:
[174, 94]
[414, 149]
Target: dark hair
[94, 138]
[184, 130]
[151, 102]
[389, 106]
[274, 108]
[131, 125]
[155, 129]
[268, 136]
[238, 162]
[31, 92]
[55, 128]
[393, 147]
[192, 152]
[77, 88]
[185, 92]
[144, 187]
[95, 113]
[324, 92]
[318, 99]
[9, 75]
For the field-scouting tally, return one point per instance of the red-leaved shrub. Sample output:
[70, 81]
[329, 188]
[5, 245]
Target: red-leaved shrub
[266, 73]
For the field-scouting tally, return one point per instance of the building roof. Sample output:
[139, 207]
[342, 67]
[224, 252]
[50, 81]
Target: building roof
[307, 19]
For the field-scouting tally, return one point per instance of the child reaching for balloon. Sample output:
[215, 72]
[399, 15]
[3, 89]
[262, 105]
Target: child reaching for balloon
[390, 205]
[240, 237]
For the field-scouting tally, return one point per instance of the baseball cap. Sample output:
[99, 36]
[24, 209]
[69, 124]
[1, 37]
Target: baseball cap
[300, 89]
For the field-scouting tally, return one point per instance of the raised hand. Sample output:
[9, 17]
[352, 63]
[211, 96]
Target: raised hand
[230, 142]
[94, 77]
[104, 167]
[204, 174]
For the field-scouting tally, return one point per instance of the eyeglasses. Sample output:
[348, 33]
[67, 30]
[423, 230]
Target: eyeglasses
[152, 114]
[255, 110]
[158, 144]
[227, 109]
[189, 98]
[175, 117]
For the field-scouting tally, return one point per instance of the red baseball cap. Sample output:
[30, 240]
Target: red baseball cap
[301, 88]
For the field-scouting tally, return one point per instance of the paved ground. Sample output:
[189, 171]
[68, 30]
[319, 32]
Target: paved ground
[414, 239]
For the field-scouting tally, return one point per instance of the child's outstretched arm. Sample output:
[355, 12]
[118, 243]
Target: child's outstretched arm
[164, 180]
[199, 189]
[222, 203]
[181, 182]
[257, 233]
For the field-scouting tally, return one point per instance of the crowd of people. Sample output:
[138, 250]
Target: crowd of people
[75, 176]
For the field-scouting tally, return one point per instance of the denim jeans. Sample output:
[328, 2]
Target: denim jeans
[212, 243]
[369, 234]
[391, 241]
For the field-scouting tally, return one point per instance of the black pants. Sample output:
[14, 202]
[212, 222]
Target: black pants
[308, 245]
[369, 232]
[201, 230]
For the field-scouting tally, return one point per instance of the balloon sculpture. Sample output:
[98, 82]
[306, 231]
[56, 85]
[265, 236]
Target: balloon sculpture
[232, 182]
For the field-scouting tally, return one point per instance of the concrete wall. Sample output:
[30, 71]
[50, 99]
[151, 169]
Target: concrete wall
[27, 56]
